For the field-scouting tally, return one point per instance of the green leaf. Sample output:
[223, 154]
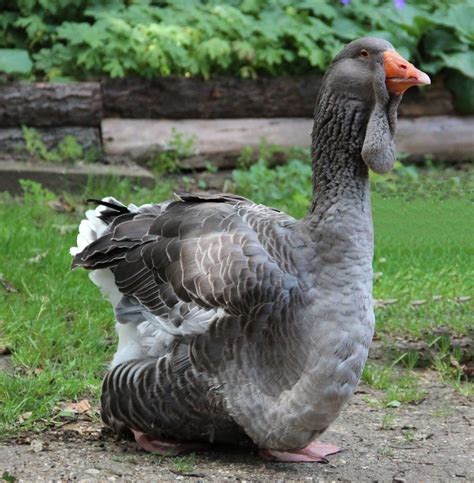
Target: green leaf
[346, 29]
[463, 89]
[460, 18]
[15, 61]
[461, 61]
[439, 40]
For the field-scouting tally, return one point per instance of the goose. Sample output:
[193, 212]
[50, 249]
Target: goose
[237, 323]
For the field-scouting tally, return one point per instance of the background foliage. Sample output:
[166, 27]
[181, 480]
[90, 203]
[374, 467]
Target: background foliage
[93, 38]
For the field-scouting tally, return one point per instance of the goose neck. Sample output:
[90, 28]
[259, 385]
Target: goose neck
[340, 176]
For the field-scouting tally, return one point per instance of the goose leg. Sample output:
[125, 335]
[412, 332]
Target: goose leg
[313, 453]
[165, 448]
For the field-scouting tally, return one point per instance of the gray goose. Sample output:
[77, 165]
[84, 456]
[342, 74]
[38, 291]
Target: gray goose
[238, 323]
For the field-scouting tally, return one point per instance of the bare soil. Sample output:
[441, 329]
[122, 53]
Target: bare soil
[431, 441]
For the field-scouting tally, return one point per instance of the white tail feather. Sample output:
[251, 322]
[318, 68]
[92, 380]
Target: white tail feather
[91, 228]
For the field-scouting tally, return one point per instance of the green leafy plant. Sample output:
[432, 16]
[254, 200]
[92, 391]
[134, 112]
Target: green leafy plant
[184, 464]
[68, 149]
[178, 147]
[116, 38]
[15, 61]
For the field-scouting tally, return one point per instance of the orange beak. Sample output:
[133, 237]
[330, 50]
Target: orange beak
[400, 74]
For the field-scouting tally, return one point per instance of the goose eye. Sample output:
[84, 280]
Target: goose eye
[364, 53]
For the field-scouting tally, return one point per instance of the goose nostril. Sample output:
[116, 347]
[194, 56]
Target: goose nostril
[403, 66]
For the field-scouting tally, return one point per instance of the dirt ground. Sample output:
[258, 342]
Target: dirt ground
[431, 441]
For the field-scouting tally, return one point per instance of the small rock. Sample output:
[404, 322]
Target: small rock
[92, 471]
[23, 417]
[36, 445]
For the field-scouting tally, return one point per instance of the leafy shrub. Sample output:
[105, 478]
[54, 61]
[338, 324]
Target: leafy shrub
[93, 38]
[288, 187]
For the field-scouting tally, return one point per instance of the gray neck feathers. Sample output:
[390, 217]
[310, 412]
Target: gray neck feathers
[340, 218]
[339, 173]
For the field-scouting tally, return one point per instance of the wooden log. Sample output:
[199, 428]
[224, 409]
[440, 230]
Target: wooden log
[80, 104]
[68, 178]
[181, 98]
[435, 100]
[12, 140]
[442, 137]
[50, 104]
[141, 139]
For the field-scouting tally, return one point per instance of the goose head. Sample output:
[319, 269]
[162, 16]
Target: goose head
[372, 76]
[370, 69]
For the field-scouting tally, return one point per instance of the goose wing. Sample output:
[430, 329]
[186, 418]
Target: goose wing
[186, 264]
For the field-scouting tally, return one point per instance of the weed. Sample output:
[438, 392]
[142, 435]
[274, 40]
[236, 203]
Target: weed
[34, 143]
[398, 388]
[442, 413]
[187, 182]
[409, 435]
[178, 147]
[9, 478]
[373, 402]
[68, 149]
[386, 451]
[211, 168]
[409, 360]
[466, 389]
[202, 184]
[448, 363]
[245, 159]
[388, 421]
[184, 464]
[164, 162]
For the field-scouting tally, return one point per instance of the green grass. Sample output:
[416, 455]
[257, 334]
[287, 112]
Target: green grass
[60, 330]
[424, 249]
[399, 386]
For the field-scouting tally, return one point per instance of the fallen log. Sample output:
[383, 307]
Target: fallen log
[141, 139]
[50, 104]
[85, 103]
[443, 138]
[182, 98]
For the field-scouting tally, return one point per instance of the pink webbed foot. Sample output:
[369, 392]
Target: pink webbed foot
[165, 448]
[313, 453]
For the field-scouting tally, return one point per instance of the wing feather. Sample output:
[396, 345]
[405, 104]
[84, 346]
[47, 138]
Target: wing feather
[191, 262]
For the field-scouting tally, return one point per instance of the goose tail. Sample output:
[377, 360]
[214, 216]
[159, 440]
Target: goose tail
[96, 221]
[91, 228]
